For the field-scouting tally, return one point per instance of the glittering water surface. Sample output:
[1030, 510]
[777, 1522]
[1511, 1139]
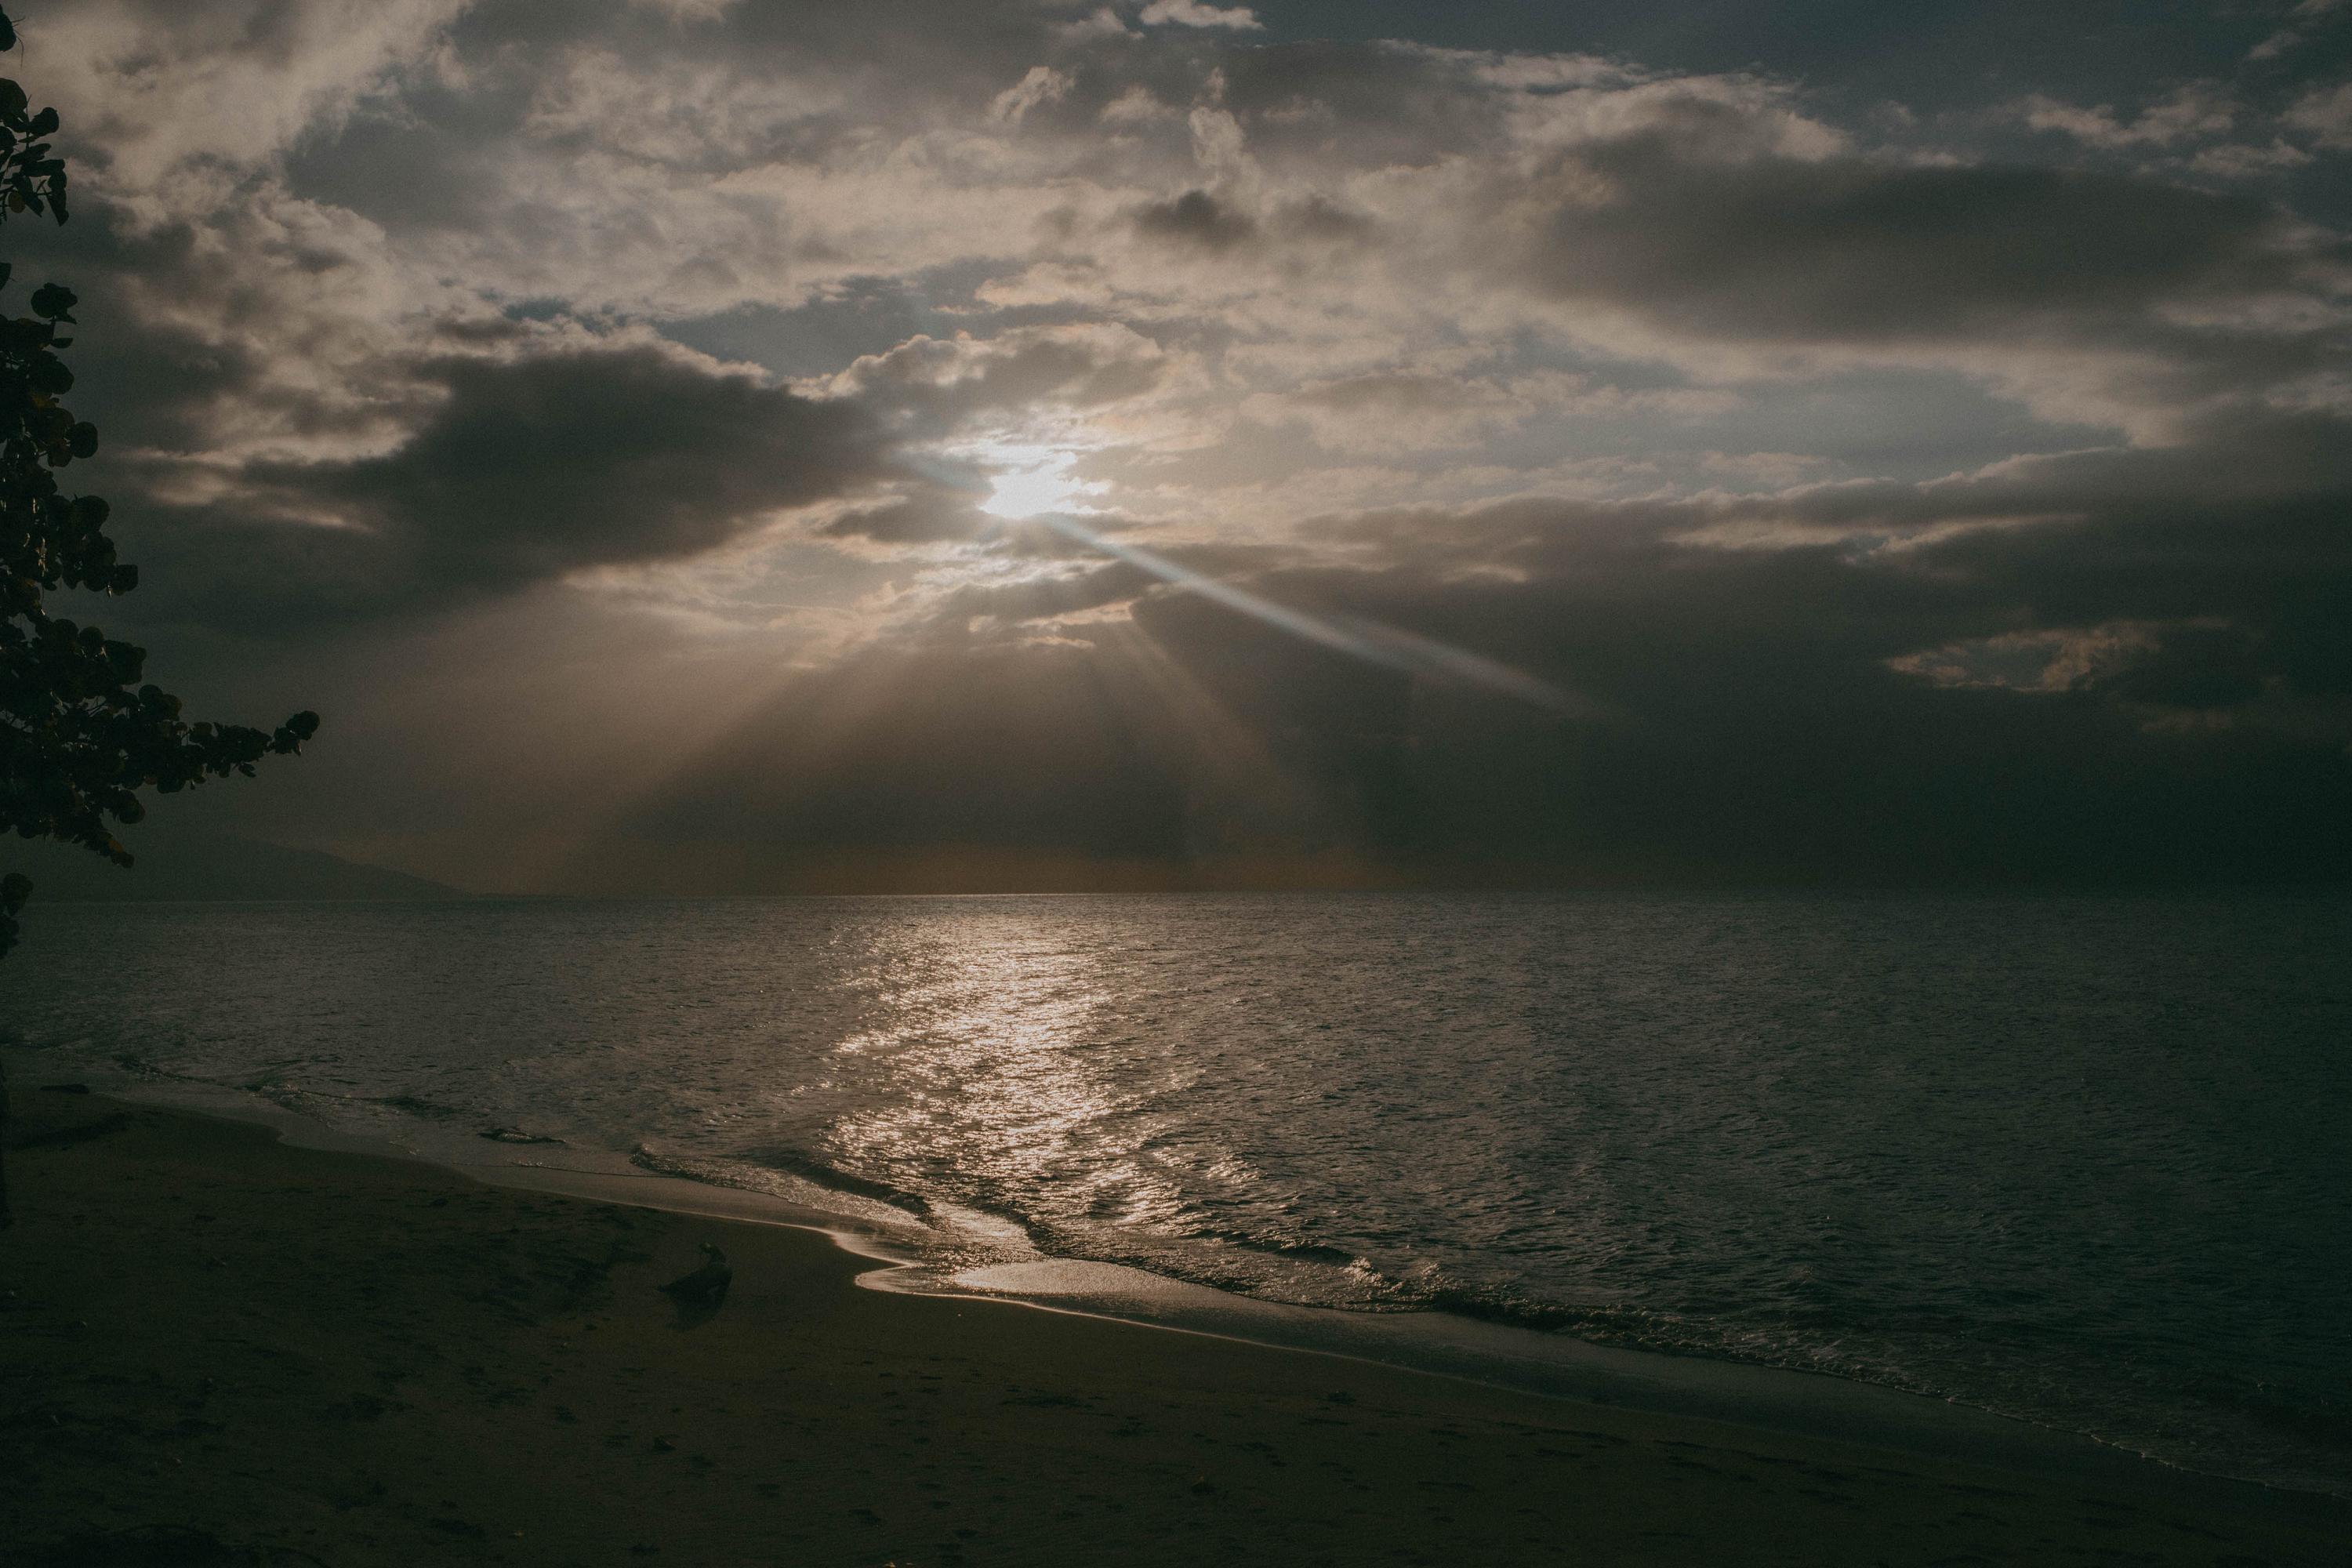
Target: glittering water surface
[2078, 1160]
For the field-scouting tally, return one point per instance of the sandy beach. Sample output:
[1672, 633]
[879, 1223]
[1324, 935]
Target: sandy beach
[220, 1348]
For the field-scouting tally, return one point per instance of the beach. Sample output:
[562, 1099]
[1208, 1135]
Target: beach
[223, 1347]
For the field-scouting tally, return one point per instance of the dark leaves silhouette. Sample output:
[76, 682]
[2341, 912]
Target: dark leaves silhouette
[81, 734]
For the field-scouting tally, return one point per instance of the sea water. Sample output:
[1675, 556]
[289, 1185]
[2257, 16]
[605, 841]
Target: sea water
[2079, 1161]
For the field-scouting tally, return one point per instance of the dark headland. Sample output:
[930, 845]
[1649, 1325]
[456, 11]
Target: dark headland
[177, 863]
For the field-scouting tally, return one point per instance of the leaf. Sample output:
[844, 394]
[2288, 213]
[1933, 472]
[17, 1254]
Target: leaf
[53, 303]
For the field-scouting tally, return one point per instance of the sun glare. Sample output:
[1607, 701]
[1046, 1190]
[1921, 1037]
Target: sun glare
[1034, 481]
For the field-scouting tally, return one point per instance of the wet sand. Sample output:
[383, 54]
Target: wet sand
[214, 1347]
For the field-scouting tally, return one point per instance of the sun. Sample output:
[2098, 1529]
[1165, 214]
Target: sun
[1032, 480]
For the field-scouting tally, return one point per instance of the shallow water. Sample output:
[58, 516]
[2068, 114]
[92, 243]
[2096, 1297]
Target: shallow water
[2076, 1160]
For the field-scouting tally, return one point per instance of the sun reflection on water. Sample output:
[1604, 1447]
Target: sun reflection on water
[991, 1041]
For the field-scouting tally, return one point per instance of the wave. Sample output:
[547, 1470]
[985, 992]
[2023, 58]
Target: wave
[795, 1179]
[1305, 1273]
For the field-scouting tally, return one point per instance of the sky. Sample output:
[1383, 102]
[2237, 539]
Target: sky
[748, 446]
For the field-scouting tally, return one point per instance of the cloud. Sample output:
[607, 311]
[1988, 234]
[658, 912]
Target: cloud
[1198, 220]
[2244, 161]
[1903, 490]
[932, 516]
[2070, 291]
[539, 465]
[2324, 113]
[2198, 109]
[1440, 407]
[527, 469]
[1854, 249]
[1044, 84]
[1194, 14]
[949, 380]
[155, 87]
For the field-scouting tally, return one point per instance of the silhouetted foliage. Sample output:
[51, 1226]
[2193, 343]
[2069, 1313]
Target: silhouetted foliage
[79, 734]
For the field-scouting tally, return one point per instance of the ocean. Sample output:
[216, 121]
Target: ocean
[2077, 1161]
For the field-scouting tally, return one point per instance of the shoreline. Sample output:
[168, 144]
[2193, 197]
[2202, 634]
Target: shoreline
[342, 1357]
[1427, 1341]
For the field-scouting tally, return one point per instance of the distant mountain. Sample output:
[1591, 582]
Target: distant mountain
[186, 863]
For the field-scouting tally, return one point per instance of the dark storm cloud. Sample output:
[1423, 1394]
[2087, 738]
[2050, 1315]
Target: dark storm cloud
[540, 466]
[527, 469]
[1842, 249]
[2161, 538]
